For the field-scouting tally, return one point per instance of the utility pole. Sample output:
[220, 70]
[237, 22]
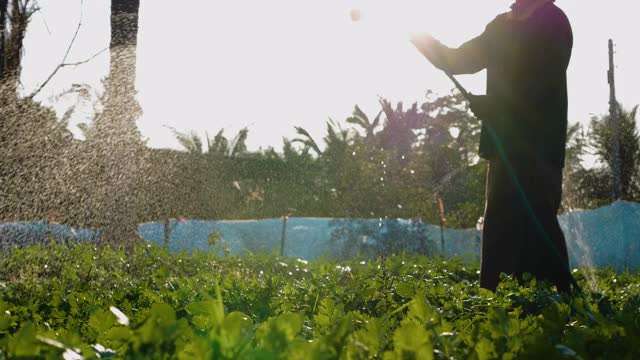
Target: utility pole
[614, 123]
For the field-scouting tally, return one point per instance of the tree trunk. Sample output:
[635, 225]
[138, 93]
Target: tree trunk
[12, 42]
[117, 146]
[4, 7]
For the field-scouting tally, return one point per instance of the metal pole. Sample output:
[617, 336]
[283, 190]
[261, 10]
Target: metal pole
[614, 123]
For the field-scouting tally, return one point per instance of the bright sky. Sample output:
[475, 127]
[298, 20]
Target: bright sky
[269, 65]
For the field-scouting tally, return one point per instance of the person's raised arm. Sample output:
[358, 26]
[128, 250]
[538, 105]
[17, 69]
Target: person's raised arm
[469, 58]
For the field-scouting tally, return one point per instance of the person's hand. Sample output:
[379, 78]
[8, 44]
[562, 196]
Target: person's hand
[482, 106]
[431, 48]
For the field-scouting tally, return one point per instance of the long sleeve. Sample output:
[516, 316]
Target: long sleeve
[469, 58]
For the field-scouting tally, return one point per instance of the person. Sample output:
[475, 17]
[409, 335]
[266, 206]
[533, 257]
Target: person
[526, 53]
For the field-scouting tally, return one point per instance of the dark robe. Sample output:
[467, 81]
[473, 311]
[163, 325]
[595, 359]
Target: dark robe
[524, 140]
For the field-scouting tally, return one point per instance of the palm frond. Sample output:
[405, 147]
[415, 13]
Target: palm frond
[307, 140]
[238, 144]
[219, 145]
[189, 141]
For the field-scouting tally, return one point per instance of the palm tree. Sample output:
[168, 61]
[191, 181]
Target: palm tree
[361, 119]
[117, 159]
[124, 41]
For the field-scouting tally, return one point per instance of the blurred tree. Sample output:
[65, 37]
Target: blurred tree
[220, 146]
[399, 133]
[450, 143]
[601, 135]
[35, 173]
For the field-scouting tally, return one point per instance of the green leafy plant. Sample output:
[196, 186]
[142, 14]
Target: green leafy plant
[103, 302]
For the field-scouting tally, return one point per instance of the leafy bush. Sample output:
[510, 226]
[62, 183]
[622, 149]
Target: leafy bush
[101, 302]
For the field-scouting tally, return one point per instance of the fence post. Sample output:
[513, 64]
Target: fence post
[442, 221]
[167, 233]
[285, 219]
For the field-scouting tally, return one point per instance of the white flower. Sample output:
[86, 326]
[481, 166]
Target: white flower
[102, 351]
[303, 261]
[122, 318]
[51, 342]
[71, 355]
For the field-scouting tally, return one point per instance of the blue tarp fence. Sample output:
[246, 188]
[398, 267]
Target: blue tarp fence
[608, 236]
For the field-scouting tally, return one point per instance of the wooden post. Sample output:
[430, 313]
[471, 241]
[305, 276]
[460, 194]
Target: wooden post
[614, 123]
[285, 219]
[442, 221]
[167, 233]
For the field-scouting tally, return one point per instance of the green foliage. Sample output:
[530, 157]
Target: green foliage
[56, 300]
[387, 167]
